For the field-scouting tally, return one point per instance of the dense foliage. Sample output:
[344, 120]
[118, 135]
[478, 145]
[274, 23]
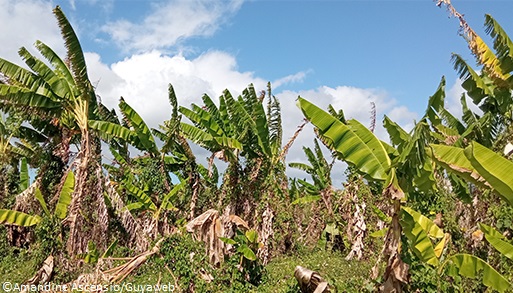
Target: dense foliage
[429, 210]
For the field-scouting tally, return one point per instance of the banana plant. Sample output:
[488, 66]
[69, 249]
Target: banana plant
[485, 168]
[240, 132]
[135, 132]
[491, 88]
[376, 160]
[12, 217]
[320, 172]
[58, 94]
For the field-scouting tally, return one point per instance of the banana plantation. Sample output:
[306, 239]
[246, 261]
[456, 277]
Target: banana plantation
[94, 196]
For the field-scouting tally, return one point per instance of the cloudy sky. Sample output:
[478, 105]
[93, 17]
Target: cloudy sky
[346, 53]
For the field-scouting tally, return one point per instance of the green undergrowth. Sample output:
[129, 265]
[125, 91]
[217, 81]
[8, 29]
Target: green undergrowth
[345, 276]
[278, 276]
[181, 260]
[16, 265]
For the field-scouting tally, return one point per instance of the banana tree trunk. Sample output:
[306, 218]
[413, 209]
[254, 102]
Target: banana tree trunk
[396, 272]
[87, 218]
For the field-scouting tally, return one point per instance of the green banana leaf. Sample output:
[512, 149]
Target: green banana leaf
[261, 124]
[141, 130]
[61, 209]
[214, 112]
[247, 252]
[418, 230]
[379, 233]
[302, 166]
[59, 86]
[398, 136]
[24, 175]
[75, 55]
[425, 223]
[41, 200]
[11, 217]
[472, 82]
[60, 67]
[21, 75]
[252, 236]
[355, 145]
[200, 116]
[368, 137]
[108, 130]
[496, 169]
[26, 97]
[454, 160]
[118, 157]
[502, 43]
[196, 134]
[134, 206]
[307, 199]
[166, 201]
[435, 103]
[140, 195]
[470, 266]
[496, 240]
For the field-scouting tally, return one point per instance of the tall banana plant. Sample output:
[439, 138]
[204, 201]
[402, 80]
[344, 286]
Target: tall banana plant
[397, 169]
[60, 93]
[135, 132]
[487, 169]
[238, 128]
[490, 87]
[241, 132]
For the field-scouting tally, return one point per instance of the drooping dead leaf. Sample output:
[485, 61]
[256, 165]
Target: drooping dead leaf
[396, 272]
[310, 281]
[266, 233]
[356, 227]
[238, 221]
[118, 274]
[43, 275]
[209, 226]
[393, 192]
[208, 229]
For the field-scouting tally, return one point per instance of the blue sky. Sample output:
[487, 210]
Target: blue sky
[403, 47]
[348, 53]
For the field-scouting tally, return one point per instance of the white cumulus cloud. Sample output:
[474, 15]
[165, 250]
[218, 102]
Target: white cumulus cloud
[143, 80]
[297, 77]
[170, 22]
[22, 22]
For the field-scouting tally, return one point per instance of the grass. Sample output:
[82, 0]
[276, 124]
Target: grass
[346, 276]
[17, 266]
